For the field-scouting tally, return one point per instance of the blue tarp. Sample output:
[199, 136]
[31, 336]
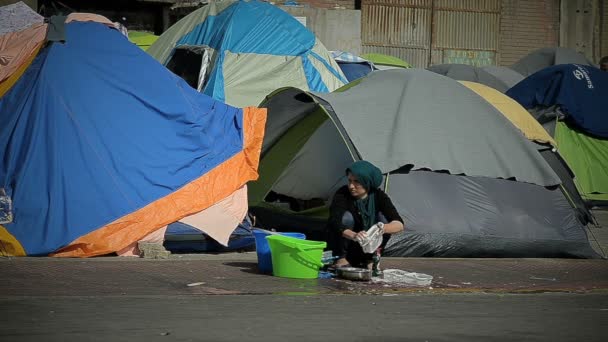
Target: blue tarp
[581, 92]
[96, 129]
[181, 237]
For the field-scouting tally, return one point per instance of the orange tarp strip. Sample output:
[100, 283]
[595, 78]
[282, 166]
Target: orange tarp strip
[17, 47]
[197, 195]
[7, 84]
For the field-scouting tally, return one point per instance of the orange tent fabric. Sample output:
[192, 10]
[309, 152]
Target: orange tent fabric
[17, 48]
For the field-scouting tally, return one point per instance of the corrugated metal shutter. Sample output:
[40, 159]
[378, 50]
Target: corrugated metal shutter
[432, 31]
[400, 28]
[604, 34]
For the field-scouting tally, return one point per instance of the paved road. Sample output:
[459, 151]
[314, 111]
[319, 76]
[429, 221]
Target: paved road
[115, 299]
[405, 317]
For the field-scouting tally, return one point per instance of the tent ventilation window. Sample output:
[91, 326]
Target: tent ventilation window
[192, 63]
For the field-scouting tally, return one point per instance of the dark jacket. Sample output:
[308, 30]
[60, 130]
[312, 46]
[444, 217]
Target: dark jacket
[343, 201]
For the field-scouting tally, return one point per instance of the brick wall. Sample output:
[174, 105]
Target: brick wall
[527, 25]
[343, 4]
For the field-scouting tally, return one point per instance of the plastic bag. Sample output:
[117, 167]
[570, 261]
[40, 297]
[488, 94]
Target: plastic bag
[407, 278]
[374, 238]
[6, 208]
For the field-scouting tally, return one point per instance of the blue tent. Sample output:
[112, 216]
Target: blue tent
[102, 145]
[354, 71]
[580, 91]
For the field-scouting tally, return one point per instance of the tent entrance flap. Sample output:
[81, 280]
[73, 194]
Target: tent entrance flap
[192, 63]
[276, 159]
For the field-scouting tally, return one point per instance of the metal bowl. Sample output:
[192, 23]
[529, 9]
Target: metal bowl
[354, 273]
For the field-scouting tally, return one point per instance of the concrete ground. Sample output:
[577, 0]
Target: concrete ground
[223, 298]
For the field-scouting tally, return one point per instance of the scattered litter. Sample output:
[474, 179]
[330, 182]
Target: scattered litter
[373, 303]
[166, 333]
[465, 283]
[197, 284]
[548, 279]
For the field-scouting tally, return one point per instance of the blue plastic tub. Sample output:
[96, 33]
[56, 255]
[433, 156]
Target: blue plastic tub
[263, 250]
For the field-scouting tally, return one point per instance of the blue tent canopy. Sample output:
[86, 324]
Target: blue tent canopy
[581, 91]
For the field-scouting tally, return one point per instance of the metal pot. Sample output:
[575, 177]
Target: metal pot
[354, 273]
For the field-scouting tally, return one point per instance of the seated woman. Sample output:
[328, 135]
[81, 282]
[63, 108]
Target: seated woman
[355, 208]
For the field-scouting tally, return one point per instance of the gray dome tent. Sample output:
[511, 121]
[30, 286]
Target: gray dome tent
[546, 57]
[499, 78]
[466, 181]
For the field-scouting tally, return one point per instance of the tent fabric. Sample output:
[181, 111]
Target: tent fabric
[559, 165]
[509, 76]
[84, 17]
[385, 60]
[354, 71]
[181, 237]
[86, 176]
[456, 216]
[464, 72]
[218, 220]
[547, 57]
[16, 74]
[18, 17]
[265, 71]
[17, 48]
[142, 39]
[304, 157]
[157, 237]
[260, 33]
[579, 91]
[352, 66]
[392, 108]
[343, 56]
[512, 111]
[588, 158]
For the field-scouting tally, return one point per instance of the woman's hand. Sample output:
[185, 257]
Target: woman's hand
[361, 236]
[349, 234]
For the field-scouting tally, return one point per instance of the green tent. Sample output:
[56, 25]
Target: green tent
[142, 39]
[384, 62]
[587, 156]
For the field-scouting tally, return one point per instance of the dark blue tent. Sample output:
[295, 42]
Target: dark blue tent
[580, 91]
[354, 71]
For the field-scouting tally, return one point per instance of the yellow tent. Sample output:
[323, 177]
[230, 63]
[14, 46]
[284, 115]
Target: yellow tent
[513, 111]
